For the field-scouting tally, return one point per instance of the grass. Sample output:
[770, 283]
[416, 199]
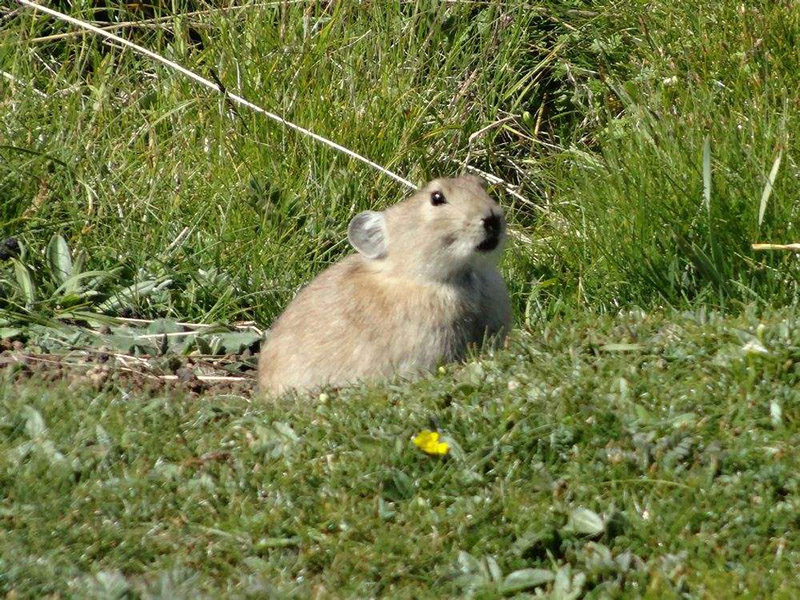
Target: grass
[635, 440]
[273, 213]
[599, 116]
[662, 224]
[637, 454]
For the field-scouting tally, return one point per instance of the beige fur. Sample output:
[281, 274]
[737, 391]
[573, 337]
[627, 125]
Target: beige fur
[417, 294]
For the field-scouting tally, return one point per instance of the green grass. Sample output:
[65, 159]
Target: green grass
[599, 115]
[647, 232]
[678, 434]
[642, 137]
[145, 153]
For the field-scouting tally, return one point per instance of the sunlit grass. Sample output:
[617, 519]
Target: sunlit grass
[635, 454]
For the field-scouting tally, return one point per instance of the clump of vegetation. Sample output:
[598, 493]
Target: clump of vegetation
[696, 164]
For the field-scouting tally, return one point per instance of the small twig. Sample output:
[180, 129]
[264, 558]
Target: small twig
[495, 180]
[795, 247]
[126, 359]
[23, 358]
[10, 15]
[483, 130]
[208, 378]
[475, 135]
[158, 336]
[245, 325]
[150, 336]
[177, 241]
[519, 236]
[108, 36]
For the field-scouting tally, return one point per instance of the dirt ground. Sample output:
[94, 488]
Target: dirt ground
[101, 369]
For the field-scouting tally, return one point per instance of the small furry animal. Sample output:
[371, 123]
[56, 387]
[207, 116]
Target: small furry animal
[422, 287]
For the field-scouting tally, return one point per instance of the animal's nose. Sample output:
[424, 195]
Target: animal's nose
[492, 224]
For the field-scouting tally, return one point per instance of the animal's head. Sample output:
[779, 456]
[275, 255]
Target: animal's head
[441, 231]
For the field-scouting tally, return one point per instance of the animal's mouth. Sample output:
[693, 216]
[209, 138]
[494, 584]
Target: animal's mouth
[493, 227]
[490, 243]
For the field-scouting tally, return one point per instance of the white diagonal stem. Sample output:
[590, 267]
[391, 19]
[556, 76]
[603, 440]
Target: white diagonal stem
[213, 86]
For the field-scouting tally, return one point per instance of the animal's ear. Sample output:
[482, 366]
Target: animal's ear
[367, 234]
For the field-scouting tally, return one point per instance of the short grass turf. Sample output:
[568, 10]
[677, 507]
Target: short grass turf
[639, 455]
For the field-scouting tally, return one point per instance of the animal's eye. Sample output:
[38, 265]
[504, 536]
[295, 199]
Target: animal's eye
[437, 198]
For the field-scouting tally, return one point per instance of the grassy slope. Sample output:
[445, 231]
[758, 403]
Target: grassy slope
[133, 154]
[599, 115]
[642, 231]
[674, 437]
[681, 438]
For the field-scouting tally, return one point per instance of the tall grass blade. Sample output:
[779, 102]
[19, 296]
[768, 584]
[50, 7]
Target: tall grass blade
[707, 173]
[768, 187]
[213, 86]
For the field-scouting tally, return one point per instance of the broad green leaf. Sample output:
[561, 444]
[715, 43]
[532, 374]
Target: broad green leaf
[385, 510]
[69, 301]
[108, 584]
[34, 422]
[755, 348]
[567, 586]
[468, 563]
[25, 280]
[403, 483]
[493, 568]
[585, 522]
[525, 579]
[79, 263]
[140, 289]
[597, 558]
[48, 449]
[164, 326]
[687, 419]
[9, 332]
[775, 413]
[216, 345]
[203, 346]
[236, 341]
[59, 258]
[286, 431]
[70, 286]
[129, 343]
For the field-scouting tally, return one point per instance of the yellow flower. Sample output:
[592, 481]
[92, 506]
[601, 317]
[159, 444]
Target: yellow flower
[428, 442]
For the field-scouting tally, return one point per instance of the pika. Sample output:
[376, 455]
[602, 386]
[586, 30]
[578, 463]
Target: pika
[422, 286]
